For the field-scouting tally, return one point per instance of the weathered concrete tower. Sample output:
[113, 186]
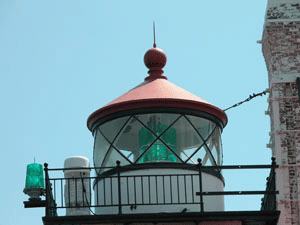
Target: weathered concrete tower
[281, 49]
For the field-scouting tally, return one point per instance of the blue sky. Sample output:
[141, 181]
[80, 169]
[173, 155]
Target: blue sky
[62, 60]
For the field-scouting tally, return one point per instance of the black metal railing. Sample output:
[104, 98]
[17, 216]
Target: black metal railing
[50, 202]
[119, 191]
[269, 200]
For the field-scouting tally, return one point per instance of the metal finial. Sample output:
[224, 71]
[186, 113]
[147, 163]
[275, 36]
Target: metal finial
[154, 44]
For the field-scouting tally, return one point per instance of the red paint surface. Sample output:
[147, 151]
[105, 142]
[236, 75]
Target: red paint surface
[157, 93]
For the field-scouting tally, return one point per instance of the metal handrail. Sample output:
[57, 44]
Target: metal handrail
[51, 195]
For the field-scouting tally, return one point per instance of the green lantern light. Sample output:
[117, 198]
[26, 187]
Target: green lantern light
[34, 176]
[34, 185]
[158, 151]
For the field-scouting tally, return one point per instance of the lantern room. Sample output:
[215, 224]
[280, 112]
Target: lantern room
[157, 127]
[157, 122]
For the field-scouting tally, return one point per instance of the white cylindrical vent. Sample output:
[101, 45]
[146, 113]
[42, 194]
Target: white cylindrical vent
[77, 186]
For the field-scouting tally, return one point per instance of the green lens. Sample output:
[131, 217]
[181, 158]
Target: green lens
[158, 151]
[34, 176]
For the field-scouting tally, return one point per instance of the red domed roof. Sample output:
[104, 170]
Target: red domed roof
[156, 92]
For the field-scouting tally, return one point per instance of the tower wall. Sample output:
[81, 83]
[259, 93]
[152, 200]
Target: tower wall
[281, 49]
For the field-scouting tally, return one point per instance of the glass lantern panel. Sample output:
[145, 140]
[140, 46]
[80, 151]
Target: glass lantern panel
[209, 158]
[149, 138]
[158, 122]
[169, 138]
[130, 140]
[215, 154]
[200, 154]
[203, 126]
[101, 147]
[152, 149]
[208, 162]
[112, 128]
[128, 154]
[215, 145]
[157, 152]
[219, 147]
[186, 155]
[186, 137]
[111, 158]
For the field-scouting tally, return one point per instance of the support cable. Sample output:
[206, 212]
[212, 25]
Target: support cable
[247, 100]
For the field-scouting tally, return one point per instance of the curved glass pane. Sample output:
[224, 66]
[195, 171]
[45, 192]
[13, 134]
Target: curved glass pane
[158, 121]
[147, 147]
[186, 136]
[101, 146]
[112, 128]
[157, 126]
[203, 126]
[158, 137]
[204, 154]
[215, 146]
[129, 140]
[209, 159]
[112, 157]
[192, 155]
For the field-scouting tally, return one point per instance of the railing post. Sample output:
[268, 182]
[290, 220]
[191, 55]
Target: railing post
[200, 185]
[47, 189]
[273, 175]
[50, 203]
[119, 187]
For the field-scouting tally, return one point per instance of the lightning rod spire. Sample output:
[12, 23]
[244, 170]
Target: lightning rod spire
[154, 43]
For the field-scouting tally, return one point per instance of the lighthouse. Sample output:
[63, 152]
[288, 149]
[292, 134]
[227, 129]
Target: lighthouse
[157, 160]
[157, 128]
